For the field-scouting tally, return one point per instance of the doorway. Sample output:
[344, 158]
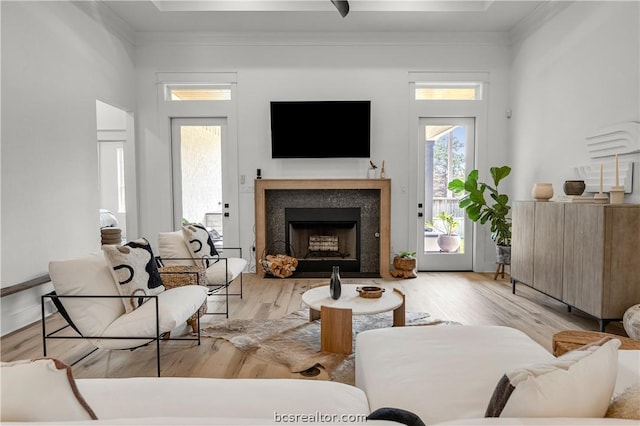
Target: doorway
[201, 193]
[446, 152]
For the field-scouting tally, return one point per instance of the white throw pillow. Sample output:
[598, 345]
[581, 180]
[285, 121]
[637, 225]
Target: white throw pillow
[200, 244]
[41, 390]
[577, 384]
[135, 272]
[173, 249]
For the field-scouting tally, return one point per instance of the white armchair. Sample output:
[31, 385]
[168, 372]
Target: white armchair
[88, 298]
[174, 251]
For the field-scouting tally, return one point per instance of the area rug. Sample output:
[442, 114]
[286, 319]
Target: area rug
[294, 341]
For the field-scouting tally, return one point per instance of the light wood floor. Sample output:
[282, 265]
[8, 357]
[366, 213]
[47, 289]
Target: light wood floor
[466, 297]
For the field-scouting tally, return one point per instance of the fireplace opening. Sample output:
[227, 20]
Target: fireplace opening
[324, 237]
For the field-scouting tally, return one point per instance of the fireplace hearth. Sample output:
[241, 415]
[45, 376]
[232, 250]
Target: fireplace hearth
[322, 238]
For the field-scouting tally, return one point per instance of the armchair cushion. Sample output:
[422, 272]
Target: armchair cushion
[175, 306]
[200, 244]
[173, 250]
[135, 272]
[233, 266]
[89, 275]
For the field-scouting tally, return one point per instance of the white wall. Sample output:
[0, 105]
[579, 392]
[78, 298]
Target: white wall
[577, 73]
[56, 61]
[372, 69]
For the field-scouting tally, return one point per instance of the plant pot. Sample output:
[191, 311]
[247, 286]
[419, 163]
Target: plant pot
[503, 254]
[448, 243]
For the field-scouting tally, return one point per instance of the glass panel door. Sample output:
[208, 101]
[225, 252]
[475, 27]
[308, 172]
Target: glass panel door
[198, 174]
[446, 153]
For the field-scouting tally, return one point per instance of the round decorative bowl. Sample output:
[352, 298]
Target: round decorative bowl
[631, 322]
[542, 191]
[370, 291]
[573, 187]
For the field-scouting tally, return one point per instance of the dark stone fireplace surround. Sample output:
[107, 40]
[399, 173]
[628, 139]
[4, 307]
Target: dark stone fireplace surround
[366, 200]
[371, 196]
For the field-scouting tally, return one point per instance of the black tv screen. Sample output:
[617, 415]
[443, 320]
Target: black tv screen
[320, 129]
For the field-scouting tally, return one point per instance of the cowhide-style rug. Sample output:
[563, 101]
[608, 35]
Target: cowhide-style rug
[294, 341]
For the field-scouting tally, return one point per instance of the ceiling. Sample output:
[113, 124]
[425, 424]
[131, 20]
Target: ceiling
[255, 16]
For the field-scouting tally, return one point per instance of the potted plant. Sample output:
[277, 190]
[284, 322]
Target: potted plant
[495, 210]
[446, 225]
[404, 264]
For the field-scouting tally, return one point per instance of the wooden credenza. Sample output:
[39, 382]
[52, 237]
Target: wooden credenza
[585, 255]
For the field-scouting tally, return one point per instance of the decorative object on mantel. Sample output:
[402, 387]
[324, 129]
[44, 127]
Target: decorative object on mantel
[382, 174]
[542, 191]
[631, 322]
[573, 187]
[405, 265]
[600, 196]
[616, 193]
[371, 171]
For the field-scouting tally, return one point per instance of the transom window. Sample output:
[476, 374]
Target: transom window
[198, 92]
[448, 92]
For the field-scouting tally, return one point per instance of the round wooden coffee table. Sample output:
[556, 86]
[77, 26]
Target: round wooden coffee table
[336, 332]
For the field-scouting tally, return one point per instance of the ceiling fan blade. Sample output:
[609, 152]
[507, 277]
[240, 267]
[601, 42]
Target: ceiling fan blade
[342, 6]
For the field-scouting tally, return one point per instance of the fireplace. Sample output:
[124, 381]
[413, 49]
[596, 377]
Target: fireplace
[370, 227]
[324, 237]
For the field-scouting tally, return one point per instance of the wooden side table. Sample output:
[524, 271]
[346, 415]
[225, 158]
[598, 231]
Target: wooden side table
[568, 340]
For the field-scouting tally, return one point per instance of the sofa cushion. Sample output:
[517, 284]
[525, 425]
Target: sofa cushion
[200, 244]
[173, 250]
[247, 398]
[577, 384]
[135, 272]
[225, 270]
[440, 372]
[41, 390]
[88, 275]
[175, 306]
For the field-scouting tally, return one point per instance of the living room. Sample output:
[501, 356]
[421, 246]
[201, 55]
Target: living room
[560, 73]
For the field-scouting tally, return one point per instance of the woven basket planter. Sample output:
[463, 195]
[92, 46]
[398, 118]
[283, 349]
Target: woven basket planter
[404, 267]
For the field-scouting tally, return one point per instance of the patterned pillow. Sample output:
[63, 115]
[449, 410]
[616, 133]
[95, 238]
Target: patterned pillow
[134, 268]
[200, 244]
[41, 390]
[577, 384]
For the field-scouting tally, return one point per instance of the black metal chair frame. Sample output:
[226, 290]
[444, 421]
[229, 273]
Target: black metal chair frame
[213, 288]
[157, 337]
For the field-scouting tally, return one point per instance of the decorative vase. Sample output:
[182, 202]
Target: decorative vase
[371, 173]
[542, 191]
[335, 286]
[631, 322]
[573, 187]
[448, 243]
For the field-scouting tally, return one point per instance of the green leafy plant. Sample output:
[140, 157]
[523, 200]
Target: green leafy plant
[447, 224]
[407, 254]
[475, 204]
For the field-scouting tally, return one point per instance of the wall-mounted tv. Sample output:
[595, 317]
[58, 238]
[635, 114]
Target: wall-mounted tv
[320, 129]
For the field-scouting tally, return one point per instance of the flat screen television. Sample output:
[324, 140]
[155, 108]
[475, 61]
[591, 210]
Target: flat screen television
[320, 129]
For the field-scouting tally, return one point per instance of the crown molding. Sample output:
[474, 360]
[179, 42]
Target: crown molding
[104, 16]
[323, 39]
[536, 19]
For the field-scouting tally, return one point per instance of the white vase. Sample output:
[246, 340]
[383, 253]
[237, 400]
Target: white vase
[448, 243]
[371, 173]
[542, 191]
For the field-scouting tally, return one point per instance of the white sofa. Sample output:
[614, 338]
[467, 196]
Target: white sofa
[444, 374]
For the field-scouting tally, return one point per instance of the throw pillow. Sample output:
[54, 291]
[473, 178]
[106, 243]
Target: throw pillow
[41, 390]
[626, 405]
[200, 244]
[397, 415]
[577, 384]
[135, 271]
